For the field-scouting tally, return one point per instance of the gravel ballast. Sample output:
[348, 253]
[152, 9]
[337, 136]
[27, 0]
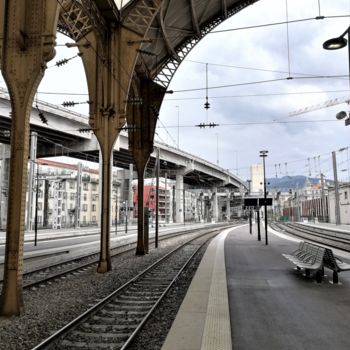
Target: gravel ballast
[49, 308]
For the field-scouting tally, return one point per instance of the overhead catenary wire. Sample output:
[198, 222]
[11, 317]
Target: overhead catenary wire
[257, 82]
[249, 68]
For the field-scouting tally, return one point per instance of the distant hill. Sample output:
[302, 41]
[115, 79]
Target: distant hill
[284, 183]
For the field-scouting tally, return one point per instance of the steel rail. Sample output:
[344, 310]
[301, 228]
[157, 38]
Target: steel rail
[105, 301]
[94, 256]
[315, 235]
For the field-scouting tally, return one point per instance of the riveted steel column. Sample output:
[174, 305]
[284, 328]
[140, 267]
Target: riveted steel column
[142, 119]
[27, 45]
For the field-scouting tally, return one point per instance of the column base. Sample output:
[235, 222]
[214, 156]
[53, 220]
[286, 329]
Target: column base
[104, 266]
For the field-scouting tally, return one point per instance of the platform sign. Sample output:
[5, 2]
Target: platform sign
[250, 202]
[262, 201]
[254, 202]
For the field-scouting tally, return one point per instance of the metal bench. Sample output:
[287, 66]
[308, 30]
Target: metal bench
[308, 257]
[334, 263]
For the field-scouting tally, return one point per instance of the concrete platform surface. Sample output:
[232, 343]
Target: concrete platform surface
[274, 307]
[328, 226]
[271, 305]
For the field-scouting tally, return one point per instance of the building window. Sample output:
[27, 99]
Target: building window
[85, 186]
[85, 197]
[93, 207]
[72, 196]
[85, 207]
[345, 195]
[94, 187]
[71, 184]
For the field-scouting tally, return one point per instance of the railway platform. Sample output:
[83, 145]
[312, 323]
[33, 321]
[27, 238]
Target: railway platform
[246, 295]
[326, 225]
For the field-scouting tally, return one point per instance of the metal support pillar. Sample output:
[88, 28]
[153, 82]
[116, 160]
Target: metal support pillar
[104, 264]
[131, 174]
[323, 199]
[28, 43]
[250, 221]
[146, 222]
[143, 118]
[258, 222]
[157, 200]
[336, 189]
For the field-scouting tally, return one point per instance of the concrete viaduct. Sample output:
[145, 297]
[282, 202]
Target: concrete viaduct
[61, 136]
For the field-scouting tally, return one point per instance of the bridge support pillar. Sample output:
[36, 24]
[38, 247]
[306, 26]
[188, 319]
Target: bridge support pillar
[28, 43]
[179, 196]
[228, 208]
[214, 199]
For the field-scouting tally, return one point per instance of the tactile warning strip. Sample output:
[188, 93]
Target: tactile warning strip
[203, 320]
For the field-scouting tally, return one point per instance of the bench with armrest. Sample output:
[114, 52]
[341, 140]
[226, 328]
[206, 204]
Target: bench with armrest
[313, 258]
[308, 257]
[334, 263]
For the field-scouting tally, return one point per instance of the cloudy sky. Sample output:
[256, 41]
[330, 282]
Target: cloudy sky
[262, 54]
[248, 114]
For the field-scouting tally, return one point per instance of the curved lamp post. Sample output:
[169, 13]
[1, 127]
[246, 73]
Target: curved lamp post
[335, 44]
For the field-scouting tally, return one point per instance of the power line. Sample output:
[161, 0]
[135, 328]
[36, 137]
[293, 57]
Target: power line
[259, 95]
[249, 68]
[256, 123]
[258, 82]
[278, 23]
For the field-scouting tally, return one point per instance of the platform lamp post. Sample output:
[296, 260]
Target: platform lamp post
[263, 154]
[250, 209]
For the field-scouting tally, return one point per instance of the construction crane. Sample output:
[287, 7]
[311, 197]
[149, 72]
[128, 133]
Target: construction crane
[329, 103]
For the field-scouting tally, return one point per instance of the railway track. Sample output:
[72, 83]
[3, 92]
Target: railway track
[114, 321]
[55, 272]
[335, 239]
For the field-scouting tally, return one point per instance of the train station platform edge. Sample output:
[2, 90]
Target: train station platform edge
[203, 320]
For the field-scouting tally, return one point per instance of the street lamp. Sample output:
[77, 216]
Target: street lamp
[263, 154]
[335, 44]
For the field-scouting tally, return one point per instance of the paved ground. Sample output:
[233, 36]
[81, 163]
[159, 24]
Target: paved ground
[274, 307]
